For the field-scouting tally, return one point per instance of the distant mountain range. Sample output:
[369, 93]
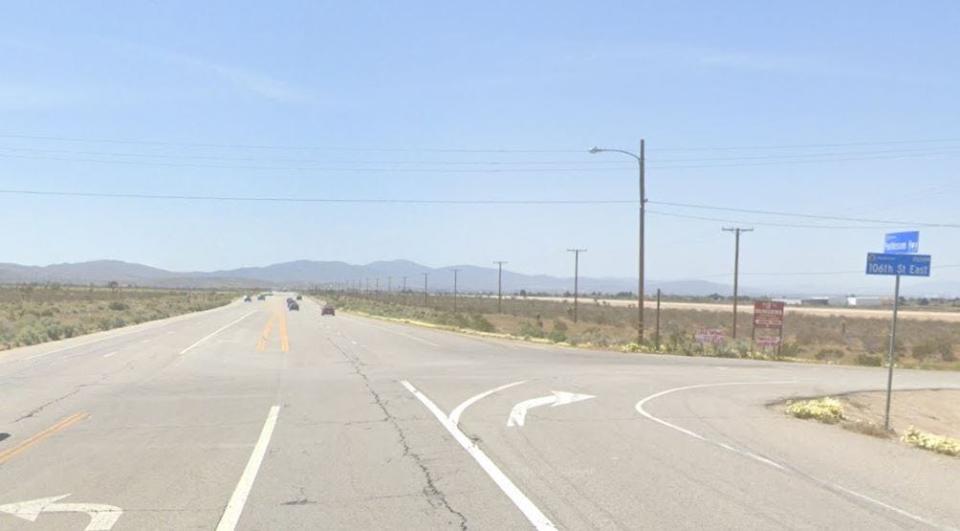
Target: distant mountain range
[302, 274]
[308, 273]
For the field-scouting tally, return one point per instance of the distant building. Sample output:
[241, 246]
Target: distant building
[815, 301]
[868, 302]
[789, 302]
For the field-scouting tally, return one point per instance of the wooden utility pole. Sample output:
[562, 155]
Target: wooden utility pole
[576, 278]
[736, 270]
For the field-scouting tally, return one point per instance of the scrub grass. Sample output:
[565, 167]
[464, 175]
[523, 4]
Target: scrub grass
[929, 441]
[33, 314]
[807, 338]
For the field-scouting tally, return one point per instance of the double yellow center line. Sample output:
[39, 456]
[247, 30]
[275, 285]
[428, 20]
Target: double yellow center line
[279, 317]
[61, 425]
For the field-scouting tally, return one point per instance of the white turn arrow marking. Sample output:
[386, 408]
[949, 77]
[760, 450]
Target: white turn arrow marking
[559, 398]
[102, 517]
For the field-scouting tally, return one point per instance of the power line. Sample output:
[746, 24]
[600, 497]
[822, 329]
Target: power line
[290, 199]
[280, 199]
[811, 146]
[769, 223]
[803, 215]
[144, 142]
[312, 168]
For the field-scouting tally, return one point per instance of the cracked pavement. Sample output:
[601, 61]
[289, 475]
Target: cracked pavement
[166, 436]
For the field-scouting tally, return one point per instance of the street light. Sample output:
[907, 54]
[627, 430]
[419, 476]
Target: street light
[643, 203]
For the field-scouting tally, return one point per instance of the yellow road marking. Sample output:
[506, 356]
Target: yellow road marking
[265, 336]
[63, 424]
[284, 338]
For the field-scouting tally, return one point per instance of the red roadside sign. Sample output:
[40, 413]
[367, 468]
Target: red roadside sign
[768, 314]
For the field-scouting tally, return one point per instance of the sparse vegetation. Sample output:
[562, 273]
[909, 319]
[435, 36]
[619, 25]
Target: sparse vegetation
[929, 441]
[824, 338]
[827, 410]
[32, 314]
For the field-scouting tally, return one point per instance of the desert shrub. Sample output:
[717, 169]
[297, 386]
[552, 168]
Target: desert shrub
[528, 329]
[559, 325]
[118, 306]
[827, 354]
[557, 336]
[929, 441]
[481, 323]
[869, 360]
[827, 410]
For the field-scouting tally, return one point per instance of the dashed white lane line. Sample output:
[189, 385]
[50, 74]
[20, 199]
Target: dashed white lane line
[231, 514]
[215, 332]
[784, 468]
[110, 354]
[519, 499]
[458, 411]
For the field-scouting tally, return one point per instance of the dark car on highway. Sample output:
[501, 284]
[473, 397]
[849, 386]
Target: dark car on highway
[292, 305]
[247, 298]
[261, 297]
[299, 297]
[328, 310]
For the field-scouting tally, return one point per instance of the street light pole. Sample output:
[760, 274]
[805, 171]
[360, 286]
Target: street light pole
[499, 285]
[576, 278]
[736, 270]
[641, 163]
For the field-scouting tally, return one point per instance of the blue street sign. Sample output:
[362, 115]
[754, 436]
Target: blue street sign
[909, 265]
[902, 242]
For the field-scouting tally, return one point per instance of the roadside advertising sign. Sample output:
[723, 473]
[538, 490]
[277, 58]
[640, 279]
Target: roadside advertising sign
[768, 314]
[713, 336]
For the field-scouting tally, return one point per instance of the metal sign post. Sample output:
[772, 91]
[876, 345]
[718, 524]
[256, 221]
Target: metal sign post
[900, 262]
[891, 352]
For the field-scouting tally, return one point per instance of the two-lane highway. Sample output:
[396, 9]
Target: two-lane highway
[255, 417]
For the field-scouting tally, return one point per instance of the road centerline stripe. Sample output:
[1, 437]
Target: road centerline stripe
[215, 332]
[31, 441]
[231, 514]
[519, 499]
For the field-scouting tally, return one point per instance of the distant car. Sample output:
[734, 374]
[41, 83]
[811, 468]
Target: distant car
[299, 297]
[328, 310]
[261, 297]
[293, 306]
[247, 298]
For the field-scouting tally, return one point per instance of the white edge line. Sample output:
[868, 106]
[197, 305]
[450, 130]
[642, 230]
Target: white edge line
[761, 459]
[458, 411]
[215, 332]
[106, 335]
[231, 514]
[519, 499]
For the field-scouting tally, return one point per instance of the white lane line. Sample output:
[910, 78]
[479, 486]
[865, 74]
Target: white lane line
[110, 354]
[458, 411]
[784, 468]
[696, 435]
[215, 332]
[519, 499]
[107, 335]
[231, 514]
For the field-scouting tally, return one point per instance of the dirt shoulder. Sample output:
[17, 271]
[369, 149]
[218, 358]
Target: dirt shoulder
[934, 411]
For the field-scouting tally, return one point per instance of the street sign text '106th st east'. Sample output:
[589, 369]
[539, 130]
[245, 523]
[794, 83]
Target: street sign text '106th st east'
[908, 265]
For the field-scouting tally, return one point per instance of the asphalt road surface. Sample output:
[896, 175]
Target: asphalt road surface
[253, 417]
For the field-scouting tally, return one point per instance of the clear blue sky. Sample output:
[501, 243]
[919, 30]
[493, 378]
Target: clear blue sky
[373, 86]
